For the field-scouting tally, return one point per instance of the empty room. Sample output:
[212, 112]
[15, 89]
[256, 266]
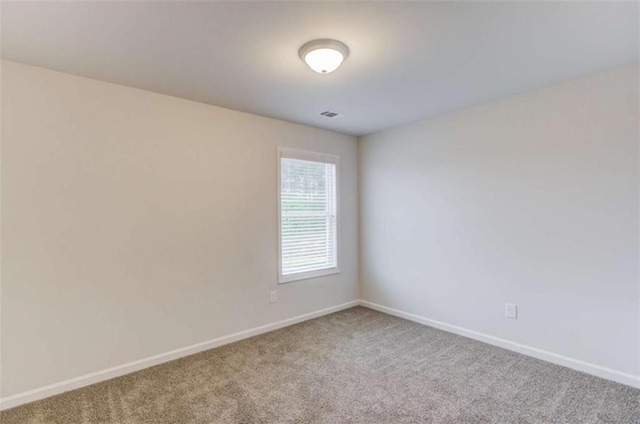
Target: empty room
[320, 212]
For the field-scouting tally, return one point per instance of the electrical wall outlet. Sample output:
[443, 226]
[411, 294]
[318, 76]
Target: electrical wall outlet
[511, 310]
[273, 297]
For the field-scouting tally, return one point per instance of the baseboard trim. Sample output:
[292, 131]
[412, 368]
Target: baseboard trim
[576, 364]
[117, 371]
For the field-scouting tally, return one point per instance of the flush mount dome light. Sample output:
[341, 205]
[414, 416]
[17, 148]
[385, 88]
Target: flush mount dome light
[323, 56]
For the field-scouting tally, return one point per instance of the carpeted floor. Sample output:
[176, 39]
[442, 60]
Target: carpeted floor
[355, 366]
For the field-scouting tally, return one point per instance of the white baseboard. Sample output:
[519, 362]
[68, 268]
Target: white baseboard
[576, 364]
[107, 374]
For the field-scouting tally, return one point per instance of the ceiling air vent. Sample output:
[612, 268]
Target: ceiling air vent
[329, 114]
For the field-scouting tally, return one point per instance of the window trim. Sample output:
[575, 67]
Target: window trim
[286, 152]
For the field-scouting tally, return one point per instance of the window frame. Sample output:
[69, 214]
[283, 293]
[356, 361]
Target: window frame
[290, 153]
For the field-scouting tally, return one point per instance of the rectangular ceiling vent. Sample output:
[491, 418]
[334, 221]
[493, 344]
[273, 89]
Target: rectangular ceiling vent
[329, 114]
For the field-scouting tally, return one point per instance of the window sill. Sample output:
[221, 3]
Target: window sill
[283, 279]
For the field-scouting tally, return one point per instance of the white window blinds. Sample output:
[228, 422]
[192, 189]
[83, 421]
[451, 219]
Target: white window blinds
[308, 215]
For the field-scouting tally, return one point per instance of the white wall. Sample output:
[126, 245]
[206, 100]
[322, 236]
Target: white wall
[126, 232]
[531, 200]
[136, 223]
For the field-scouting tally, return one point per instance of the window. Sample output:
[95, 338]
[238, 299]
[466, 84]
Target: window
[308, 205]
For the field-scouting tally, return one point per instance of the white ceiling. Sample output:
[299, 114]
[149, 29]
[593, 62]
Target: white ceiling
[408, 60]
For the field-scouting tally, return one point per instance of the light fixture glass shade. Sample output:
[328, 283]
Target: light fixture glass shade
[324, 56]
[324, 61]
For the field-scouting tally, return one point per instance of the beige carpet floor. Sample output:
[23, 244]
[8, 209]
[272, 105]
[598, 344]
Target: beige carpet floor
[354, 366]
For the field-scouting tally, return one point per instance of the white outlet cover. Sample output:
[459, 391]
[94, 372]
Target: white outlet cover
[273, 297]
[511, 310]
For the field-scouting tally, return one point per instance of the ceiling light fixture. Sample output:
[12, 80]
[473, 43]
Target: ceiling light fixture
[324, 56]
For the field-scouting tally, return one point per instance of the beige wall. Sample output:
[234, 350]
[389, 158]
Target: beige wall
[531, 200]
[136, 223]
